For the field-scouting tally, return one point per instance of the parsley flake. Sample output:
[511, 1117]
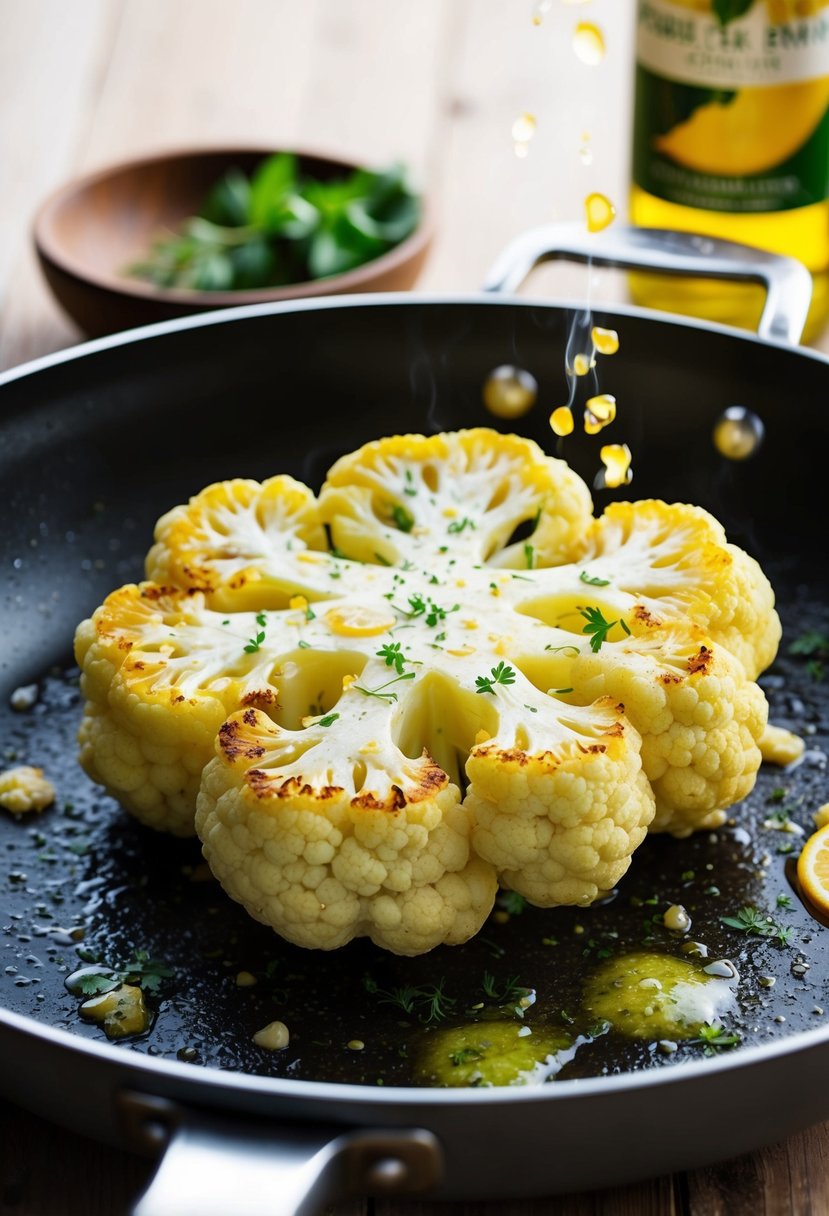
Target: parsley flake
[402, 518]
[502, 674]
[598, 627]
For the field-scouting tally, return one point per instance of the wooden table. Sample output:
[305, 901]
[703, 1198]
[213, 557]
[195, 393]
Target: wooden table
[438, 84]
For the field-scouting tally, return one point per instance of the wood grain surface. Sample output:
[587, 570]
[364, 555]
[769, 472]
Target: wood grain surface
[437, 84]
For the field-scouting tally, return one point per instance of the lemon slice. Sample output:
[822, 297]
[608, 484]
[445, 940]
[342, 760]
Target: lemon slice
[354, 621]
[813, 869]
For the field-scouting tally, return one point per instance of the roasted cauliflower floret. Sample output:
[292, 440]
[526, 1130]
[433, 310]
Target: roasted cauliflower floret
[379, 732]
[160, 673]
[676, 561]
[24, 789]
[230, 542]
[396, 496]
[383, 853]
[700, 719]
[560, 801]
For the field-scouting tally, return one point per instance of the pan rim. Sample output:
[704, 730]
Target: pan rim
[209, 1078]
[223, 316]
[217, 1080]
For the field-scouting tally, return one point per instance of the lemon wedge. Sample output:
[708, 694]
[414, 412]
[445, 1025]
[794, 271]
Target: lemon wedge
[813, 869]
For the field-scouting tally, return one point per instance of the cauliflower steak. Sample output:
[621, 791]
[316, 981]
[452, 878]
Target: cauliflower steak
[370, 734]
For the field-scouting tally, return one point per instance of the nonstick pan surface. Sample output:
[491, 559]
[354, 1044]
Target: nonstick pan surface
[96, 445]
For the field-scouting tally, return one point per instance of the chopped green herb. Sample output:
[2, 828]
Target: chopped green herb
[502, 674]
[784, 901]
[751, 920]
[714, 1037]
[598, 627]
[811, 645]
[512, 902]
[402, 518]
[561, 649]
[393, 656]
[529, 554]
[378, 692]
[328, 720]
[429, 1001]
[261, 620]
[597, 1029]
[382, 560]
[465, 1055]
[559, 692]
[304, 645]
[458, 525]
[594, 580]
[255, 643]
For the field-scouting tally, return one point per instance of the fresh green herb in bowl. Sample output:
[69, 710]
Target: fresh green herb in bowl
[281, 226]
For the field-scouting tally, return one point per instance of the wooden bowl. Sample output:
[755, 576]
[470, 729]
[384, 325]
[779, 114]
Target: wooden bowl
[91, 229]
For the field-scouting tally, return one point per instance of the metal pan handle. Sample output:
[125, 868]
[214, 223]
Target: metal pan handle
[212, 1166]
[787, 282]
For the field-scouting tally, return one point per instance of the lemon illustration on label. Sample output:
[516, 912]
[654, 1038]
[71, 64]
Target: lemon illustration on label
[750, 133]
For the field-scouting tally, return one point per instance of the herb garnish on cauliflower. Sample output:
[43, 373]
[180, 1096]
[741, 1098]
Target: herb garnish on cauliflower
[372, 736]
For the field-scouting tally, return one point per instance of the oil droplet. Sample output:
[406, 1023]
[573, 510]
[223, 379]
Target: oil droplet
[540, 10]
[606, 341]
[510, 392]
[582, 364]
[677, 919]
[588, 43]
[616, 459]
[723, 968]
[273, 1037]
[602, 409]
[599, 212]
[738, 433]
[523, 129]
[121, 1012]
[561, 421]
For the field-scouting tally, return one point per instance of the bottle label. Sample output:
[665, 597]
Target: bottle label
[732, 104]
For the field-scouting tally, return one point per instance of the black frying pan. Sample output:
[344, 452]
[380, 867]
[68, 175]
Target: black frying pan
[95, 445]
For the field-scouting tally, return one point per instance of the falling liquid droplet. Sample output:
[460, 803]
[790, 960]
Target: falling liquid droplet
[586, 154]
[523, 129]
[602, 410]
[540, 10]
[588, 43]
[616, 460]
[738, 433]
[599, 212]
[606, 341]
[561, 421]
[510, 392]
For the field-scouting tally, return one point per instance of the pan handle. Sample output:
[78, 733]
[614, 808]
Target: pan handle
[787, 282]
[212, 1166]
